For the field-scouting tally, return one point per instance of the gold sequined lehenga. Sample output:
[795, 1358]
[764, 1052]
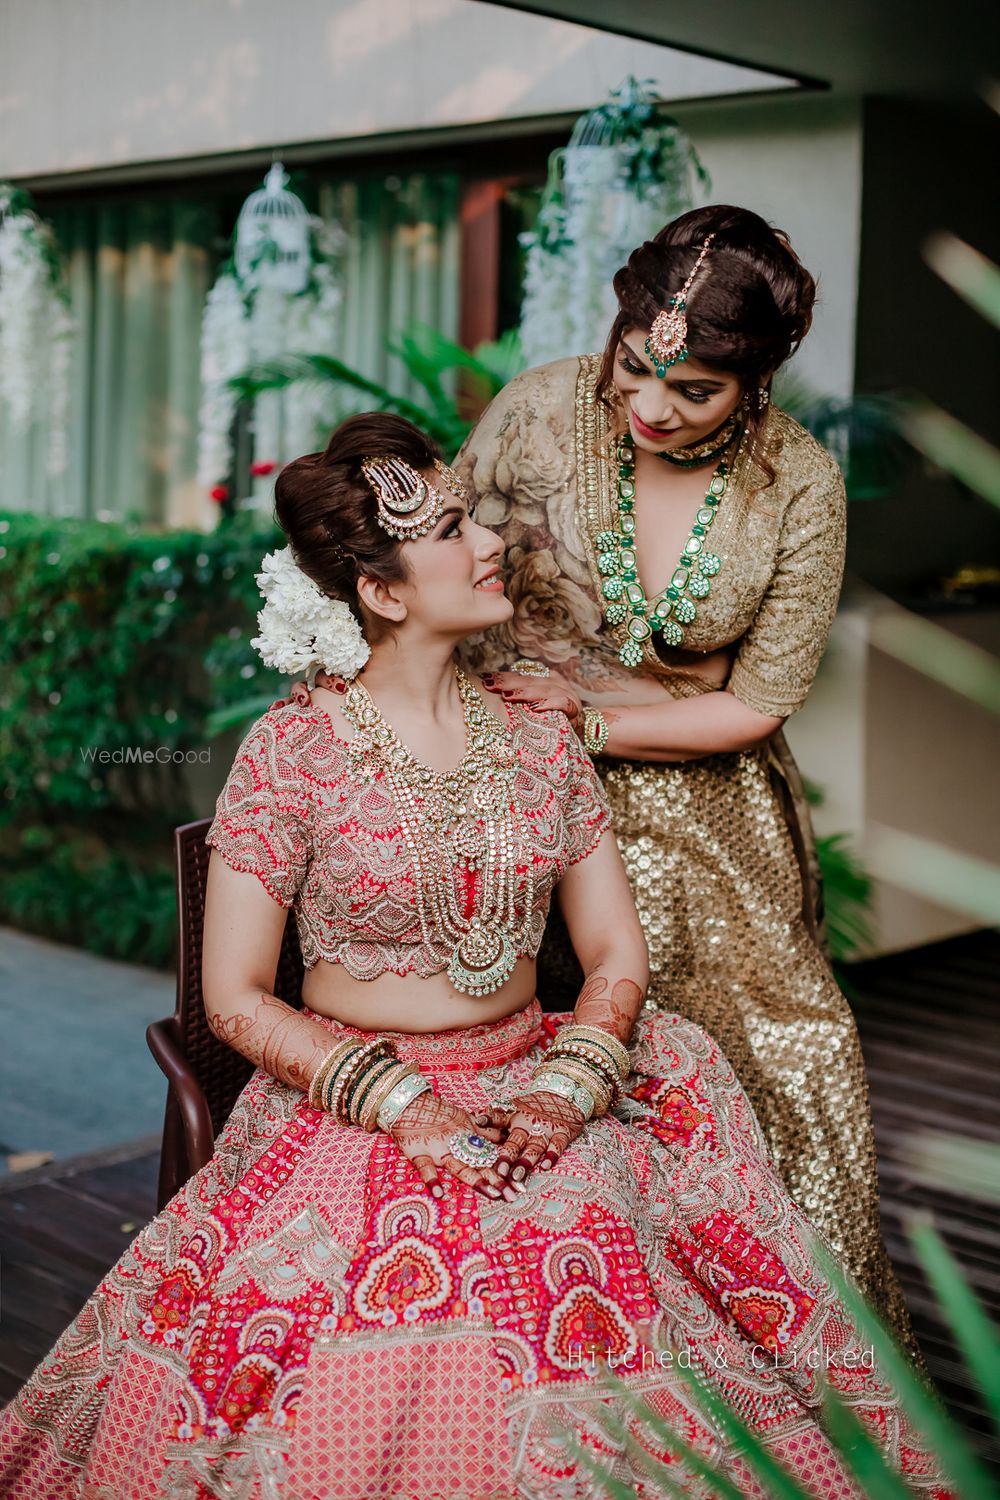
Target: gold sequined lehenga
[719, 851]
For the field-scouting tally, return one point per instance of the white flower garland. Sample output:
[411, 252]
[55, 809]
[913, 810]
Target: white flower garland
[225, 351]
[624, 174]
[36, 327]
[244, 325]
[301, 628]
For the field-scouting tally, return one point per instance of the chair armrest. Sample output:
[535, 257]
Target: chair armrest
[196, 1119]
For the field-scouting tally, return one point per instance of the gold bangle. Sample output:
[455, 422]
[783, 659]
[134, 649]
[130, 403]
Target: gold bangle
[376, 1072]
[347, 1076]
[370, 1053]
[525, 666]
[334, 1083]
[578, 1030]
[590, 1067]
[327, 1064]
[580, 1073]
[589, 1052]
[595, 731]
[369, 1115]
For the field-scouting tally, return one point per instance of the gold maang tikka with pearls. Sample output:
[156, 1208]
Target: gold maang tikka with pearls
[409, 506]
[667, 341]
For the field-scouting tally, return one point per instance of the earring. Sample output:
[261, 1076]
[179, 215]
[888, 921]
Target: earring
[763, 397]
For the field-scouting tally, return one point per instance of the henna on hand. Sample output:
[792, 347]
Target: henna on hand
[276, 1037]
[422, 1132]
[541, 1127]
[538, 693]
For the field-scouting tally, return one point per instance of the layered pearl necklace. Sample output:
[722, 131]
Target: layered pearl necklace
[457, 818]
[675, 607]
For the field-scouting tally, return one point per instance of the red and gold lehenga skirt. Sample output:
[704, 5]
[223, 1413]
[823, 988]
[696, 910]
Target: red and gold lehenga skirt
[304, 1321]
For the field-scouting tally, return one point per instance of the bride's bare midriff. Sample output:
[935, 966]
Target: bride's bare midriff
[407, 1002]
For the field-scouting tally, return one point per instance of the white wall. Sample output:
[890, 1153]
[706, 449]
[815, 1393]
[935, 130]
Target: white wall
[797, 161]
[93, 83]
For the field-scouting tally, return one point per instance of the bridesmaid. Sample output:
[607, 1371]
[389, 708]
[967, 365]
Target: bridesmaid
[675, 550]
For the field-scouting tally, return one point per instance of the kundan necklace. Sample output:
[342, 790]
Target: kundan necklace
[626, 599]
[461, 818]
[706, 452]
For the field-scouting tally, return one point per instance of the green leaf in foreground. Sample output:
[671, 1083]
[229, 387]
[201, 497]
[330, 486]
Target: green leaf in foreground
[861, 1453]
[723, 1485]
[967, 272]
[975, 1335]
[942, 1437]
[954, 447]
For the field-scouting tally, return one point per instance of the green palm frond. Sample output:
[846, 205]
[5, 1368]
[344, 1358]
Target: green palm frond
[847, 897]
[944, 1439]
[976, 1338]
[426, 355]
[322, 369]
[239, 715]
[862, 432]
[863, 1457]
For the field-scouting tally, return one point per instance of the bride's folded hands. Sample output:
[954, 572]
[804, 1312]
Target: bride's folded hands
[423, 1132]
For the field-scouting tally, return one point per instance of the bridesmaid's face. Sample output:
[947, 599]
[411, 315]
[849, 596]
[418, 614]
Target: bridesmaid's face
[685, 407]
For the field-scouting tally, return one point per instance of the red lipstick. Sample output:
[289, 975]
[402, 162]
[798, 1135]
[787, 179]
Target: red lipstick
[651, 434]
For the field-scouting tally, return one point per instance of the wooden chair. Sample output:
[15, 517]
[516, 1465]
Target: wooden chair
[205, 1076]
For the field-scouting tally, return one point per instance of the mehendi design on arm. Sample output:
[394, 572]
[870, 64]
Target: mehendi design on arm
[616, 1012]
[277, 1038]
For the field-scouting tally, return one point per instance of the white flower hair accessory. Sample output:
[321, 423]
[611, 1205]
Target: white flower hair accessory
[301, 628]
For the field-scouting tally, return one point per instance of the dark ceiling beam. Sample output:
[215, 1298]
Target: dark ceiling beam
[916, 47]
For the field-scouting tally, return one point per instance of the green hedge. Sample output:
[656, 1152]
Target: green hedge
[115, 639]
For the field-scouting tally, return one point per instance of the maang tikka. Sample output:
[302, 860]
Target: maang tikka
[667, 341]
[409, 506]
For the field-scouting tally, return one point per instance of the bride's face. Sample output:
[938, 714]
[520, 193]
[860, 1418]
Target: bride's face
[684, 407]
[454, 585]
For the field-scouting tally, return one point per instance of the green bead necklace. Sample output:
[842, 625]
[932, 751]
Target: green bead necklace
[616, 560]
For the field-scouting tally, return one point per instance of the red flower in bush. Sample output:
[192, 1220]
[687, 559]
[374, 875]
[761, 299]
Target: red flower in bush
[219, 492]
[262, 466]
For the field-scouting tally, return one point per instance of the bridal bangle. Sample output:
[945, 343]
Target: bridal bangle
[561, 1084]
[590, 1058]
[363, 1083]
[595, 731]
[402, 1093]
[577, 1031]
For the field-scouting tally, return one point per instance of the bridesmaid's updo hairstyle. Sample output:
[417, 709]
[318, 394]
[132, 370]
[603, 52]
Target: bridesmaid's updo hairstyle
[749, 308]
[327, 510]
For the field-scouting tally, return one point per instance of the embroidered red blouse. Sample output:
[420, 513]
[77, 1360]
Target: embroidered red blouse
[330, 845]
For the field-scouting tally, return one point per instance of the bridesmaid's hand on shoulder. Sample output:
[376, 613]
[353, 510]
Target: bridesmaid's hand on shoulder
[538, 693]
[299, 692]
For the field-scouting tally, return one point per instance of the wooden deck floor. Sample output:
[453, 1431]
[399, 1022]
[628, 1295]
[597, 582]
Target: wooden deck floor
[929, 1025]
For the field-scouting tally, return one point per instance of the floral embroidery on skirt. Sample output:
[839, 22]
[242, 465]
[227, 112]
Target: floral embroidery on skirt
[304, 1321]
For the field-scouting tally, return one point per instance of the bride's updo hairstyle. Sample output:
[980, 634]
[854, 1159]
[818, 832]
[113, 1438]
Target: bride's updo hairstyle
[749, 309]
[327, 510]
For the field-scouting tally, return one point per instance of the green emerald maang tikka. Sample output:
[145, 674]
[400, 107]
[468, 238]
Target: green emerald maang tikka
[624, 596]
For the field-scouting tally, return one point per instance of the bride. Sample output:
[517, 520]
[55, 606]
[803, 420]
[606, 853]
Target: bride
[440, 1227]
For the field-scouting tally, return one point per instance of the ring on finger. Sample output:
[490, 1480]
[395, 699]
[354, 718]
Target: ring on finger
[473, 1149]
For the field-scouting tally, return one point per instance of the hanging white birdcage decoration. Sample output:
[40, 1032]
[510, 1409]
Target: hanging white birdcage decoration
[279, 295]
[626, 170]
[272, 237]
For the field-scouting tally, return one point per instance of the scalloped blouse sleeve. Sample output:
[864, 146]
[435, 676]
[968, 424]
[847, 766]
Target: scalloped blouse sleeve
[263, 815]
[586, 810]
[780, 653]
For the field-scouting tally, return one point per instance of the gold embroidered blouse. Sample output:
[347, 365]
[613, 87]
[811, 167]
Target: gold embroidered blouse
[541, 467]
